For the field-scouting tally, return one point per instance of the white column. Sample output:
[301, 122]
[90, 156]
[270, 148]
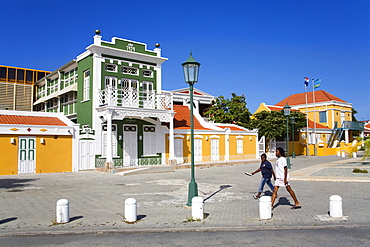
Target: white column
[109, 158]
[227, 144]
[172, 139]
[346, 136]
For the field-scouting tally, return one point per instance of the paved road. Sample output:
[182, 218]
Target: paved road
[27, 202]
[328, 237]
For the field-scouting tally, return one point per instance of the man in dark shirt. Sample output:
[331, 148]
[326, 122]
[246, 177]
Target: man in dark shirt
[267, 173]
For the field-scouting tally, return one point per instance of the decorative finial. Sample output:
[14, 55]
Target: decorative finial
[97, 32]
[157, 45]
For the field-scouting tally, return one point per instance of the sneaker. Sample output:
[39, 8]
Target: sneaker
[256, 197]
[248, 174]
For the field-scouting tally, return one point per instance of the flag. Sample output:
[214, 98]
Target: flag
[317, 83]
[306, 80]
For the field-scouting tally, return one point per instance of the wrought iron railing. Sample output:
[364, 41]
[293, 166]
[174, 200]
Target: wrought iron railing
[133, 98]
[118, 163]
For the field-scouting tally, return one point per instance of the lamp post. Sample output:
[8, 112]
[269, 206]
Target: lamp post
[292, 121]
[287, 114]
[191, 72]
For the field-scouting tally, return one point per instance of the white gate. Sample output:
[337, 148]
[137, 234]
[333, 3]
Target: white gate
[198, 150]
[214, 150]
[130, 145]
[261, 145]
[179, 150]
[271, 148]
[26, 155]
[86, 155]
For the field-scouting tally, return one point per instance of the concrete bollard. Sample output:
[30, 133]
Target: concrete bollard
[343, 154]
[130, 210]
[265, 207]
[354, 155]
[62, 211]
[336, 210]
[338, 153]
[197, 207]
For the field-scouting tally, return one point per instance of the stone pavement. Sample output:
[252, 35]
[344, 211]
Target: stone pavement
[28, 201]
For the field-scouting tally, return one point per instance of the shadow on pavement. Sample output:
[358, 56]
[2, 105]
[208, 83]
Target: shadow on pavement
[10, 183]
[7, 220]
[75, 218]
[283, 201]
[222, 187]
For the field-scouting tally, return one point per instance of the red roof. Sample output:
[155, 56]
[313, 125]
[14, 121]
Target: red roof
[182, 118]
[300, 98]
[231, 127]
[318, 126]
[31, 120]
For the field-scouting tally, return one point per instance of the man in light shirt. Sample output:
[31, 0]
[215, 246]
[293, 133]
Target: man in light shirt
[282, 179]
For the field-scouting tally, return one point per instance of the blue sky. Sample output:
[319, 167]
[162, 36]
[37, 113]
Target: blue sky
[259, 48]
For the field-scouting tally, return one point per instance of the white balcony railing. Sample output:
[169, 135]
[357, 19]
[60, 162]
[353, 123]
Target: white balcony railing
[133, 98]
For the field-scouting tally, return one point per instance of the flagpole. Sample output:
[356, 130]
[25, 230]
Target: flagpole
[305, 89]
[314, 114]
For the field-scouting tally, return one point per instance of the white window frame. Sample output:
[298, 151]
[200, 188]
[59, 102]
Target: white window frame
[110, 64]
[147, 70]
[239, 146]
[110, 81]
[86, 89]
[129, 67]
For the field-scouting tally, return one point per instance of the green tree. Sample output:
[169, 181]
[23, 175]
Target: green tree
[232, 110]
[273, 124]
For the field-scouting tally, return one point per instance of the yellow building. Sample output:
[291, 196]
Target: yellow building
[213, 142]
[34, 142]
[329, 121]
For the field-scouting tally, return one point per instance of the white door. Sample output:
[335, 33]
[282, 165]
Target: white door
[130, 145]
[179, 150]
[26, 155]
[198, 150]
[86, 155]
[261, 146]
[114, 140]
[214, 150]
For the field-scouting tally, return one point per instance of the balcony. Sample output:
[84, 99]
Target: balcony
[352, 125]
[135, 99]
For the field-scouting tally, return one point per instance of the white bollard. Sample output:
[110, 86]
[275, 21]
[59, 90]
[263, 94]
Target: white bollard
[338, 153]
[62, 211]
[265, 207]
[343, 154]
[354, 155]
[130, 210]
[197, 207]
[336, 210]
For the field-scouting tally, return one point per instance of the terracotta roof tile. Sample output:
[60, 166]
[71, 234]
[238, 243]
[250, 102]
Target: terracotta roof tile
[182, 118]
[318, 125]
[300, 98]
[31, 120]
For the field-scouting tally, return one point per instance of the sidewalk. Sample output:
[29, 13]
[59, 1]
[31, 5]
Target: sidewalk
[28, 201]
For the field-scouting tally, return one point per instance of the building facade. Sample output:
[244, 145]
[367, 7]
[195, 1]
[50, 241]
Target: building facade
[17, 87]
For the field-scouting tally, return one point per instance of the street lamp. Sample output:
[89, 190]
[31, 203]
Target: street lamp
[191, 72]
[287, 114]
[292, 121]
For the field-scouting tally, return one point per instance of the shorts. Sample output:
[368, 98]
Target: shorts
[280, 182]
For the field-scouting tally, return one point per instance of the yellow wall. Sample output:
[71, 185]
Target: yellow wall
[249, 145]
[53, 156]
[333, 114]
[9, 155]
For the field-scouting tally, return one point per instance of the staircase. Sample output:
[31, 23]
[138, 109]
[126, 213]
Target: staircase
[336, 135]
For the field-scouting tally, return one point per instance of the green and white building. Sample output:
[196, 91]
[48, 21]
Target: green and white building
[114, 91]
